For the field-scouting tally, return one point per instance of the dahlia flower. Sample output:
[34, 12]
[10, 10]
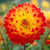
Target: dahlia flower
[25, 23]
[47, 42]
[1, 21]
[45, 4]
[48, 23]
[34, 43]
[1, 41]
[47, 15]
[0, 37]
[3, 7]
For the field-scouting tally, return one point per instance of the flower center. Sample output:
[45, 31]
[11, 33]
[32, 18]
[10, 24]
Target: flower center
[25, 22]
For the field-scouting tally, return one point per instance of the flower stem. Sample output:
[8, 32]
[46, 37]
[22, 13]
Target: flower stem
[12, 46]
[3, 41]
[47, 36]
[24, 47]
[7, 44]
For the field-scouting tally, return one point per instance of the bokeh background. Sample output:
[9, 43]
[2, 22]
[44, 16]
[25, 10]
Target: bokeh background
[6, 5]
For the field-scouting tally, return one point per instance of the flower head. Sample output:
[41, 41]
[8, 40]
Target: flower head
[1, 41]
[47, 42]
[47, 15]
[35, 44]
[0, 37]
[3, 7]
[45, 4]
[1, 21]
[48, 23]
[24, 23]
